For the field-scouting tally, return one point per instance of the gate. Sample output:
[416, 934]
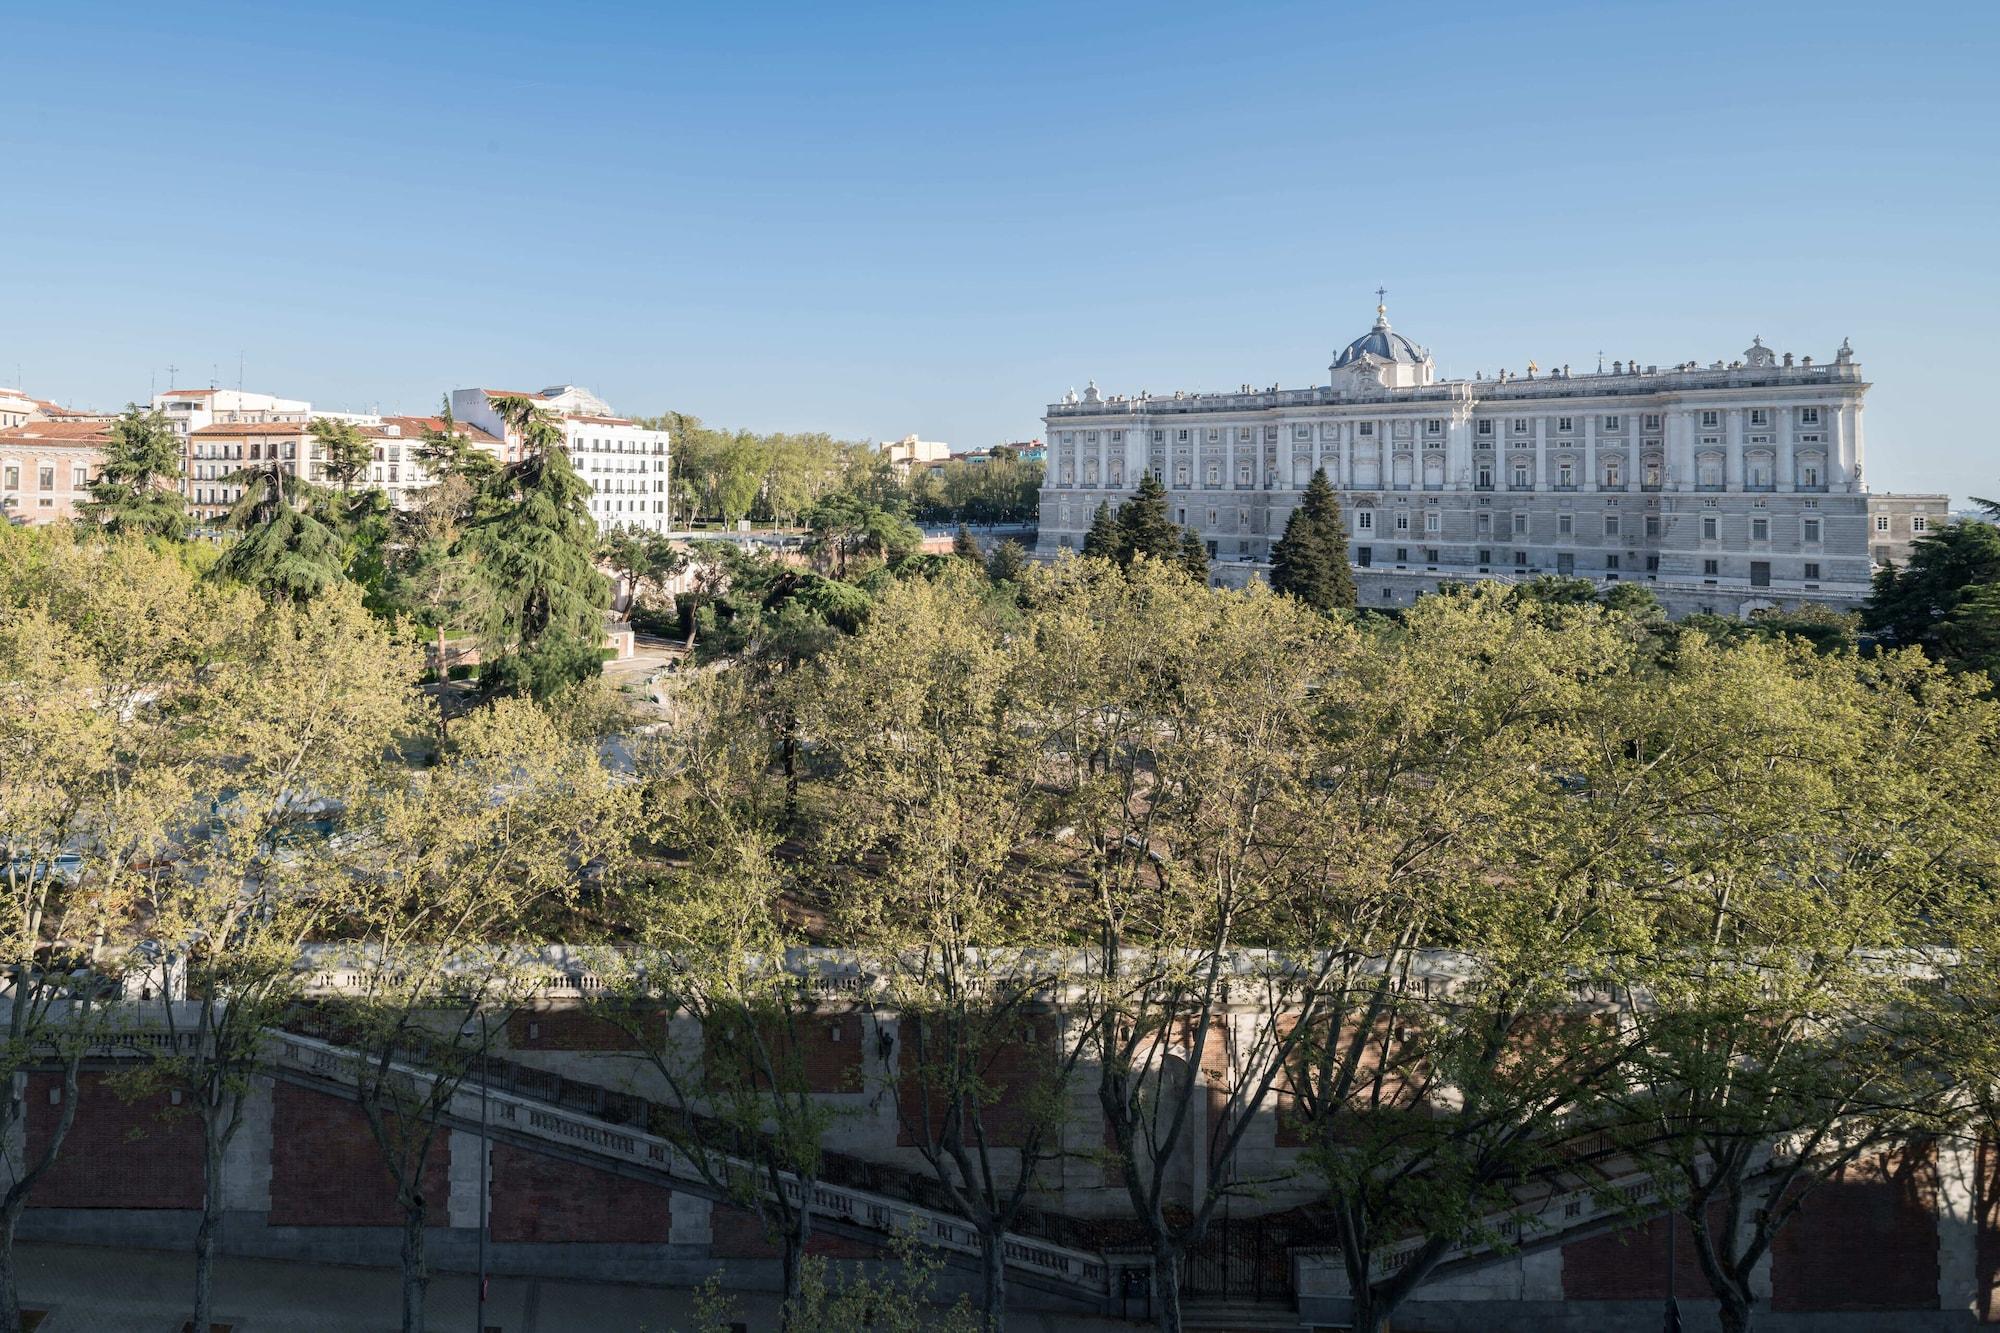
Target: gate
[1247, 1259]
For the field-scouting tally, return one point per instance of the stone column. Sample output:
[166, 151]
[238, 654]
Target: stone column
[1680, 448]
[1958, 1226]
[246, 1162]
[1732, 449]
[1850, 434]
[1344, 439]
[1458, 453]
[1590, 451]
[1841, 473]
[688, 1219]
[467, 1165]
[1228, 458]
[1541, 445]
[1787, 475]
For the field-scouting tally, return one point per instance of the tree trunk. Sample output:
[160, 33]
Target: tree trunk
[795, 1249]
[1166, 1290]
[10, 1285]
[993, 1282]
[415, 1278]
[204, 1244]
[1734, 1310]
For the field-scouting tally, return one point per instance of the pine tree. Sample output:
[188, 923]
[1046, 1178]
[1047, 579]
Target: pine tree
[533, 550]
[965, 547]
[1310, 560]
[1194, 555]
[285, 546]
[342, 454]
[1103, 540]
[137, 489]
[1008, 562]
[1143, 526]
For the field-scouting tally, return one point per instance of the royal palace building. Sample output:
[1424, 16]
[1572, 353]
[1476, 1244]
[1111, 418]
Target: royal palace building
[1724, 488]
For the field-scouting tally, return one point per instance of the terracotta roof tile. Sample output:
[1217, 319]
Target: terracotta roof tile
[58, 432]
[256, 428]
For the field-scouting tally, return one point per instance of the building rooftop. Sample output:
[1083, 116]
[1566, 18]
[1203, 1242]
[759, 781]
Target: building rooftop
[95, 431]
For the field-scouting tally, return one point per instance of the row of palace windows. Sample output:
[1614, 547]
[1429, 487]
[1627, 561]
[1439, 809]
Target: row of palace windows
[45, 477]
[1758, 472]
[1710, 419]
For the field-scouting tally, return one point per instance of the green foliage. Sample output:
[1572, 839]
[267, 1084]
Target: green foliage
[1102, 540]
[1007, 562]
[342, 453]
[1143, 525]
[1005, 488]
[284, 548]
[1310, 560]
[531, 549]
[1919, 604]
[138, 489]
[845, 528]
[966, 547]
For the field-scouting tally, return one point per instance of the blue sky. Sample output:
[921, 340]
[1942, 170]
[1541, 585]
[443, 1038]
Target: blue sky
[877, 219]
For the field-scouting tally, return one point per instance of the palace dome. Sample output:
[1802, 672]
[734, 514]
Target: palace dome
[1382, 343]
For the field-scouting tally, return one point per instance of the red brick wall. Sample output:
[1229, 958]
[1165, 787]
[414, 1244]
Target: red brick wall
[117, 1154]
[1631, 1264]
[327, 1172]
[1009, 1077]
[538, 1198]
[1866, 1240]
[828, 1051]
[737, 1234]
[575, 1028]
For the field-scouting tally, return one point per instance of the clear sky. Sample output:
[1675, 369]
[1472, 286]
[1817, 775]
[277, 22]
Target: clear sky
[877, 219]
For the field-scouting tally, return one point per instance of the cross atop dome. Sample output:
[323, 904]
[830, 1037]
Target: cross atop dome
[1381, 307]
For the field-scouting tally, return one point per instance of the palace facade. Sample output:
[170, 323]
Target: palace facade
[1723, 488]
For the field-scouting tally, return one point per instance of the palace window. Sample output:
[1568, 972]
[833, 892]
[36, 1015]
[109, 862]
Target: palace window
[1433, 426]
[1181, 436]
[1433, 521]
[45, 479]
[1709, 526]
[1520, 425]
[1760, 529]
[1613, 423]
[1302, 432]
[1611, 525]
[1160, 437]
[1809, 416]
[1760, 416]
[1521, 474]
[1565, 525]
[1520, 523]
[1811, 531]
[1881, 522]
[1403, 520]
[1485, 474]
[1711, 567]
[1652, 525]
[1613, 473]
[1918, 523]
[1214, 435]
[1566, 473]
[1564, 425]
[1367, 428]
[1485, 426]
[1364, 520]
[1710, 420]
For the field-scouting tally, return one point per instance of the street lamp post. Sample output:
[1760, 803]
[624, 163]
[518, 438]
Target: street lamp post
[479, 1316]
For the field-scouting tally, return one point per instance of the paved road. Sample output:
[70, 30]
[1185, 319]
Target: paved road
[92, 1290]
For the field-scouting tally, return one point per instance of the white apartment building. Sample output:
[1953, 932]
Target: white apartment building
[1724, 488]
[206, 458]
[910, 452]
[624, 464]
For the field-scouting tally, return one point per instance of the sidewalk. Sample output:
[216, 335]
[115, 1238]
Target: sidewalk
[92, 1290]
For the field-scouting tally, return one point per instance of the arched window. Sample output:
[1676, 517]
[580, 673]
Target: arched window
[1708, 469]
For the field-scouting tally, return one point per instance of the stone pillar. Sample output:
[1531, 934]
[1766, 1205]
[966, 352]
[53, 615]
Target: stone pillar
[1958, 1226]
[1680, 448]
[1787, 474]
[1541, 438]
[1458, 453]
[468, 1164]
[1345, 441]
[1228, 458]
[246, 1162]
[1590, 451]
[1841, 472]
[1850, 435]
[688, 1219]
[1732, 449]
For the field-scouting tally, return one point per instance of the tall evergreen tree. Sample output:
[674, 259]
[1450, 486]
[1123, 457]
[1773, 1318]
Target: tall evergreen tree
[1194, 555]
[137, 490]
[966, 547]
[1143, 525]
[1310, 560]
[532, 548]
[1007, 563]
[342, 453]
[1103, 540]
[1914, 603]
[286, 547]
